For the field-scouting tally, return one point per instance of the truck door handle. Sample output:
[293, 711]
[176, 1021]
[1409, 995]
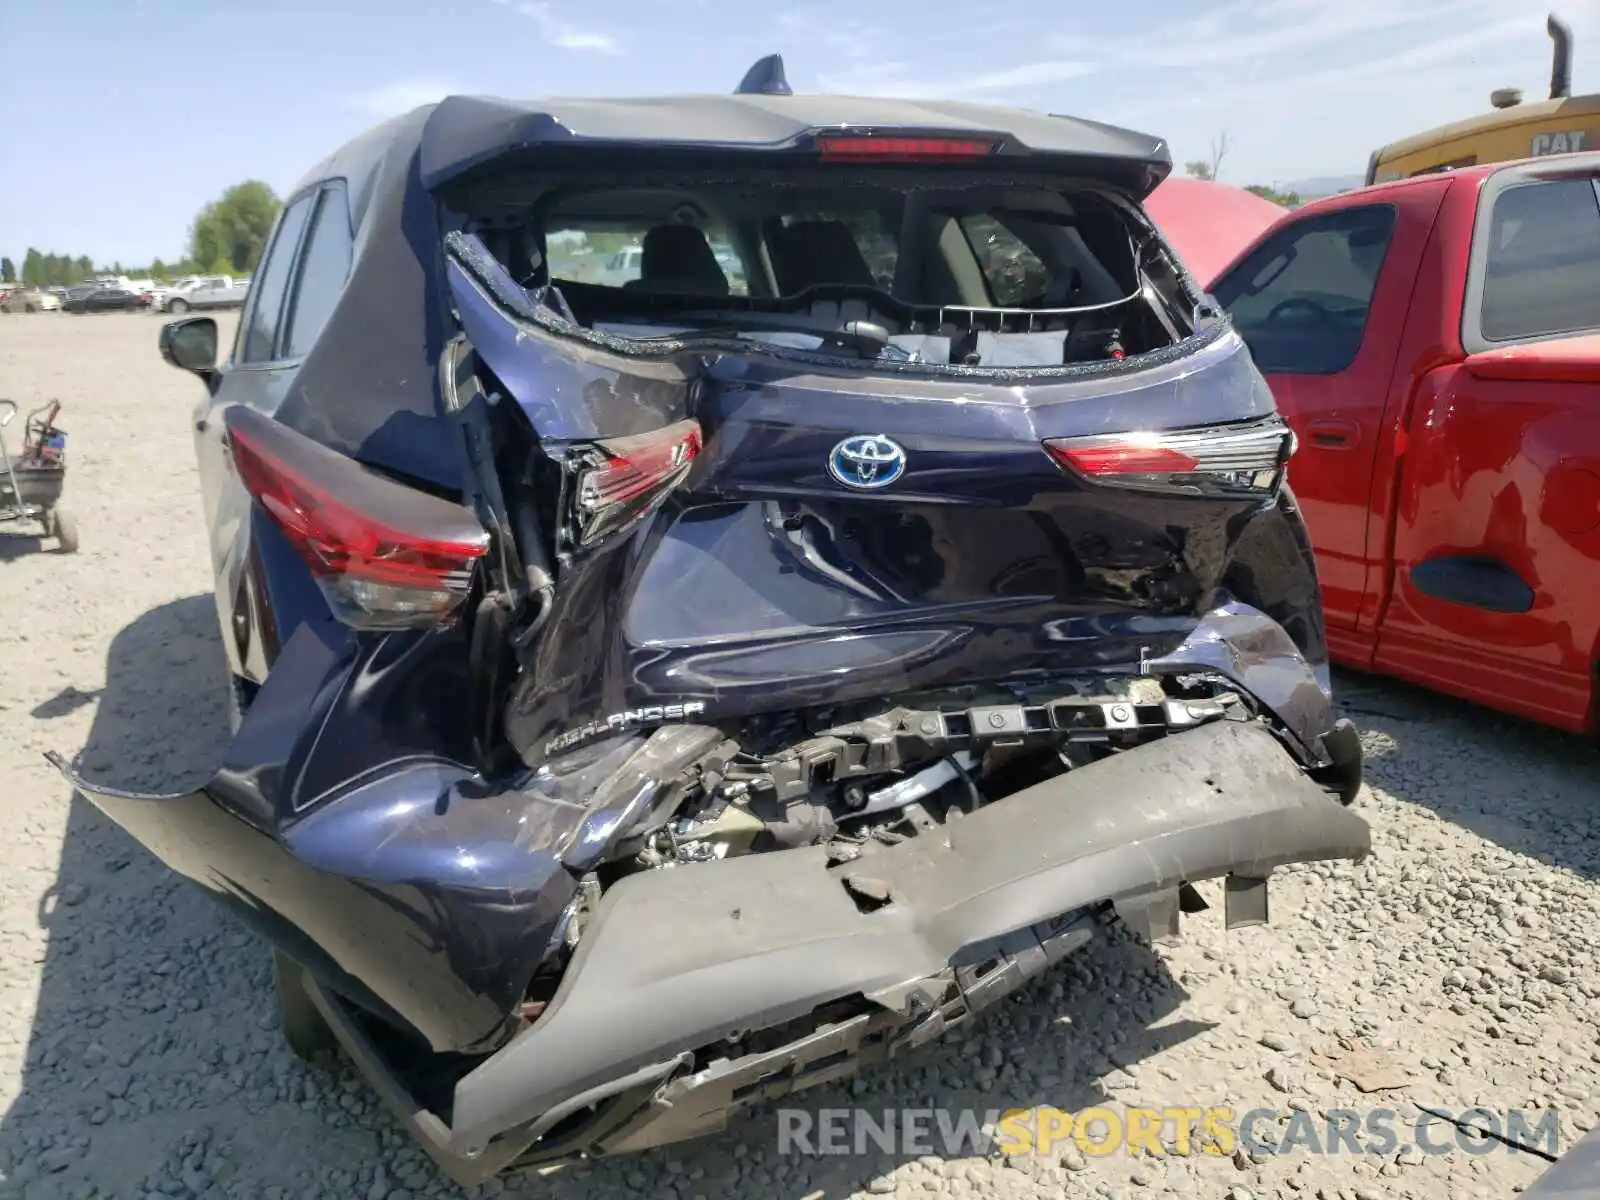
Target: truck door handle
[1332, 435]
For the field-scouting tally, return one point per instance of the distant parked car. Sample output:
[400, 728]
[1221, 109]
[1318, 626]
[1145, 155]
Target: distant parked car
[27, 300]
[115, 299]
[216, 291]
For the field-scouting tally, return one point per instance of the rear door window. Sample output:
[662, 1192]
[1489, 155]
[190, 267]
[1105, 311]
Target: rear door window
[1301, 301]
[1541, 275]
[323, 269]
[258, 332]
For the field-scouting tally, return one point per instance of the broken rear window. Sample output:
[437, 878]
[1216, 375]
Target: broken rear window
[968, 270]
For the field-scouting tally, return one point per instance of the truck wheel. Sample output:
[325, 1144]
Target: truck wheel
[178, 306]
[303, 1028]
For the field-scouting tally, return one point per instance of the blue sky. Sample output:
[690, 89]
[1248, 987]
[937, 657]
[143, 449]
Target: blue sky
[122, 118]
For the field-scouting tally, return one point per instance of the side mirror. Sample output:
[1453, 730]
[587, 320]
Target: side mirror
[191, 345]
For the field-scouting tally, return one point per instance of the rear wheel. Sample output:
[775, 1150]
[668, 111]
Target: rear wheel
[303, 1028]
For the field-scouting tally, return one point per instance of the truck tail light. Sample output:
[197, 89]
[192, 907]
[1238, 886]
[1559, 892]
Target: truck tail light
[631, 476]
[385, 555]
[1243, 459]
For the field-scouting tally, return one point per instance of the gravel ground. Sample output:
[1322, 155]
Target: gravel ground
[138, 1054]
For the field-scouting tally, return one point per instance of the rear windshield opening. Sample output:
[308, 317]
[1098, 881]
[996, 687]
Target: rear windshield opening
[915, 269]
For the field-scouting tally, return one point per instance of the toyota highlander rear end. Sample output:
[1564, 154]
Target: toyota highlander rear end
[831, 560]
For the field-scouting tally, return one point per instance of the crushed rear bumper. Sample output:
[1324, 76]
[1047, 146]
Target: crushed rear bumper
[675, 961]
[675, 966]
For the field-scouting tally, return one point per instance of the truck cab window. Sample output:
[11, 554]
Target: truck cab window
[1300, 302]
[1542, 274]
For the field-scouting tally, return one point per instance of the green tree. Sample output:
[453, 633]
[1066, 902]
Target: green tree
[158, 269]
[8, 269]
[1287, 199]
[231, 232]
[32, 268]
[1210, 168]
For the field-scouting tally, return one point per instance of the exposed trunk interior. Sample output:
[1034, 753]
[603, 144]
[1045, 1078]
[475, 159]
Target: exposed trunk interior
[933, 265]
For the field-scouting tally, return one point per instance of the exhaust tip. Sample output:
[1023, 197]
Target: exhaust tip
[1561, 57]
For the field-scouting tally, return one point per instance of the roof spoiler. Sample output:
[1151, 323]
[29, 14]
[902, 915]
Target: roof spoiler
[1561, 58]
[766, 78]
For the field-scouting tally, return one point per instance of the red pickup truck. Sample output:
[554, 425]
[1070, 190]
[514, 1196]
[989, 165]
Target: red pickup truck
[1435, 343]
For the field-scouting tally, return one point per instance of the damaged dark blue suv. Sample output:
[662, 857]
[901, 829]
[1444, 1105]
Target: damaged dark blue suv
[719, 589]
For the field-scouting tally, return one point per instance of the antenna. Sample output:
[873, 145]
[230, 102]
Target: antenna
[766, 78]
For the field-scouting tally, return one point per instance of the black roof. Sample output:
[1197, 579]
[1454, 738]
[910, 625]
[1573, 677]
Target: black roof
[463, 131]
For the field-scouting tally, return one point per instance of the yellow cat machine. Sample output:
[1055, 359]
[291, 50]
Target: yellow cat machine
[1562, 124]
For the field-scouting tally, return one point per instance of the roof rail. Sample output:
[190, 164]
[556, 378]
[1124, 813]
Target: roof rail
[765, 78]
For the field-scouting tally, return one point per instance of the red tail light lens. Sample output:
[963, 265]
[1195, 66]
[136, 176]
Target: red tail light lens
[634, 475]
[1240, 459]
[858, 147]
[385, 555]
[1121, 458]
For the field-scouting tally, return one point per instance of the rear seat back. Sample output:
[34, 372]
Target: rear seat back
[810, 253]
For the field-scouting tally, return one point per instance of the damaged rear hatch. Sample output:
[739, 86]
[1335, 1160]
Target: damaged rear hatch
[860, 413]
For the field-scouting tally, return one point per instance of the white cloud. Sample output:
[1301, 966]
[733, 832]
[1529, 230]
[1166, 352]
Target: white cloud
[1030, 74]
[1394, 70]
[396, 98]
[1215, 42]
[894, 79]
[562, 34]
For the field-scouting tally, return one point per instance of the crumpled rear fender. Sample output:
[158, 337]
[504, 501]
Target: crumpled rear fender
[346, 826]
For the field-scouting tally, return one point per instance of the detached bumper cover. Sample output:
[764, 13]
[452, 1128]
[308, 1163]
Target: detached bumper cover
[676, 960]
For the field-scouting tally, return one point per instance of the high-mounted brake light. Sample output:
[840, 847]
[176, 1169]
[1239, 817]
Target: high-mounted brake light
[386, 556]
[632, 476]
[863, 147]
[1242, 459]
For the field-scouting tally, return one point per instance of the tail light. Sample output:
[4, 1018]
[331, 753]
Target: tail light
[1243, 459]
[869, 147]
[385, 555]
[632, 476]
